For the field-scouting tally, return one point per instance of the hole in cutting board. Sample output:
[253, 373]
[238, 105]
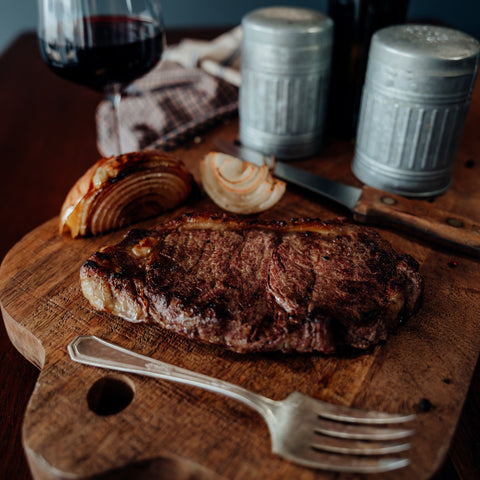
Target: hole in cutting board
[109, 395]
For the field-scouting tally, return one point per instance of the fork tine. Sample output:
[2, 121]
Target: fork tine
[341, 463]
[356, 415]
[359, 432]
[356, 447]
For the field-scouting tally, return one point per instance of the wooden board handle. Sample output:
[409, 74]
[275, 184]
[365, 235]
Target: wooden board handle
[419, 217]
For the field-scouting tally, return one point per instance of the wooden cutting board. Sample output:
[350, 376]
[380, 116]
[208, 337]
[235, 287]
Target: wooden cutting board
[84, 422]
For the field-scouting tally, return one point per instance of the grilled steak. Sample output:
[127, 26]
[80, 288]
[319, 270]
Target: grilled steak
[252, 286]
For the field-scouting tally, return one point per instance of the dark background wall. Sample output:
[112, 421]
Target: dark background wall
[20, 15]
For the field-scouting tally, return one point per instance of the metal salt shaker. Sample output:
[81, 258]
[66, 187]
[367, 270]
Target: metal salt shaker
[415, 101]
[286, 58]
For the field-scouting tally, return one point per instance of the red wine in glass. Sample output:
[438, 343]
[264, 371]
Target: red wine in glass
[104, 45]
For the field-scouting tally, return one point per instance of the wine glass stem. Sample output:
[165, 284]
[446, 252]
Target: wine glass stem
[115, 99]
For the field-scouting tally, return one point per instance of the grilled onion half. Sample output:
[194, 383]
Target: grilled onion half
[238, 186]
[121, 190]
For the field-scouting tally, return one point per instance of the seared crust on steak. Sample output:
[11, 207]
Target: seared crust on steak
[253, 285]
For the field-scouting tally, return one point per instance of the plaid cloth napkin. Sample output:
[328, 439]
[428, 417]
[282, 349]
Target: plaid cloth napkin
[192, 89]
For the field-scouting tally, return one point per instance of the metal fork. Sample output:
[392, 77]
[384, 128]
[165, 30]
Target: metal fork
[304, 430]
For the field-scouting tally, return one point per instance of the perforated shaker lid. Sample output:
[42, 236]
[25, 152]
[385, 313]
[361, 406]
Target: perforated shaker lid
[287, 26]
[425, 48]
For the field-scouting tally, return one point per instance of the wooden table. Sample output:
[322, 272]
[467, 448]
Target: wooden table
[47, 139]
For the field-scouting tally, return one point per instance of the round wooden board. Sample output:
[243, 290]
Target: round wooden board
[174, 431]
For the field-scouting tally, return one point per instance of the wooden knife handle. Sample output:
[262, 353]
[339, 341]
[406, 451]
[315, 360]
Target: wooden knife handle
[420, 218]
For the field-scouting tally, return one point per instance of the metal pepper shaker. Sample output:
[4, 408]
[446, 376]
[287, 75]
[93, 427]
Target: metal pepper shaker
[414, 105]
[286, 58]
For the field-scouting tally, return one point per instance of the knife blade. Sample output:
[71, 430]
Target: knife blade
[369, 205]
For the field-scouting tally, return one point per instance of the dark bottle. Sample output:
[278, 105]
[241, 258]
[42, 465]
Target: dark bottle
[355, 23]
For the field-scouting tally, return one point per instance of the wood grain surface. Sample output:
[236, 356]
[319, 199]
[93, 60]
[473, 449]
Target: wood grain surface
[173, 431]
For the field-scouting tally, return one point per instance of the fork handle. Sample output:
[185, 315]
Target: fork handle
[91, 350]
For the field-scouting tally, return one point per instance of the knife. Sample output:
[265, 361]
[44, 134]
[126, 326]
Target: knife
[373, 206]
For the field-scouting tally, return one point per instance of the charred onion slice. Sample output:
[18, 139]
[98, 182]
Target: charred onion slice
[118, 191]
[238, 186]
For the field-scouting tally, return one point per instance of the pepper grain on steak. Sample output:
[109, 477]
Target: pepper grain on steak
[257, 286]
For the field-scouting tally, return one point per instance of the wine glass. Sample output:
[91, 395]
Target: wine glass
[102, 44]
